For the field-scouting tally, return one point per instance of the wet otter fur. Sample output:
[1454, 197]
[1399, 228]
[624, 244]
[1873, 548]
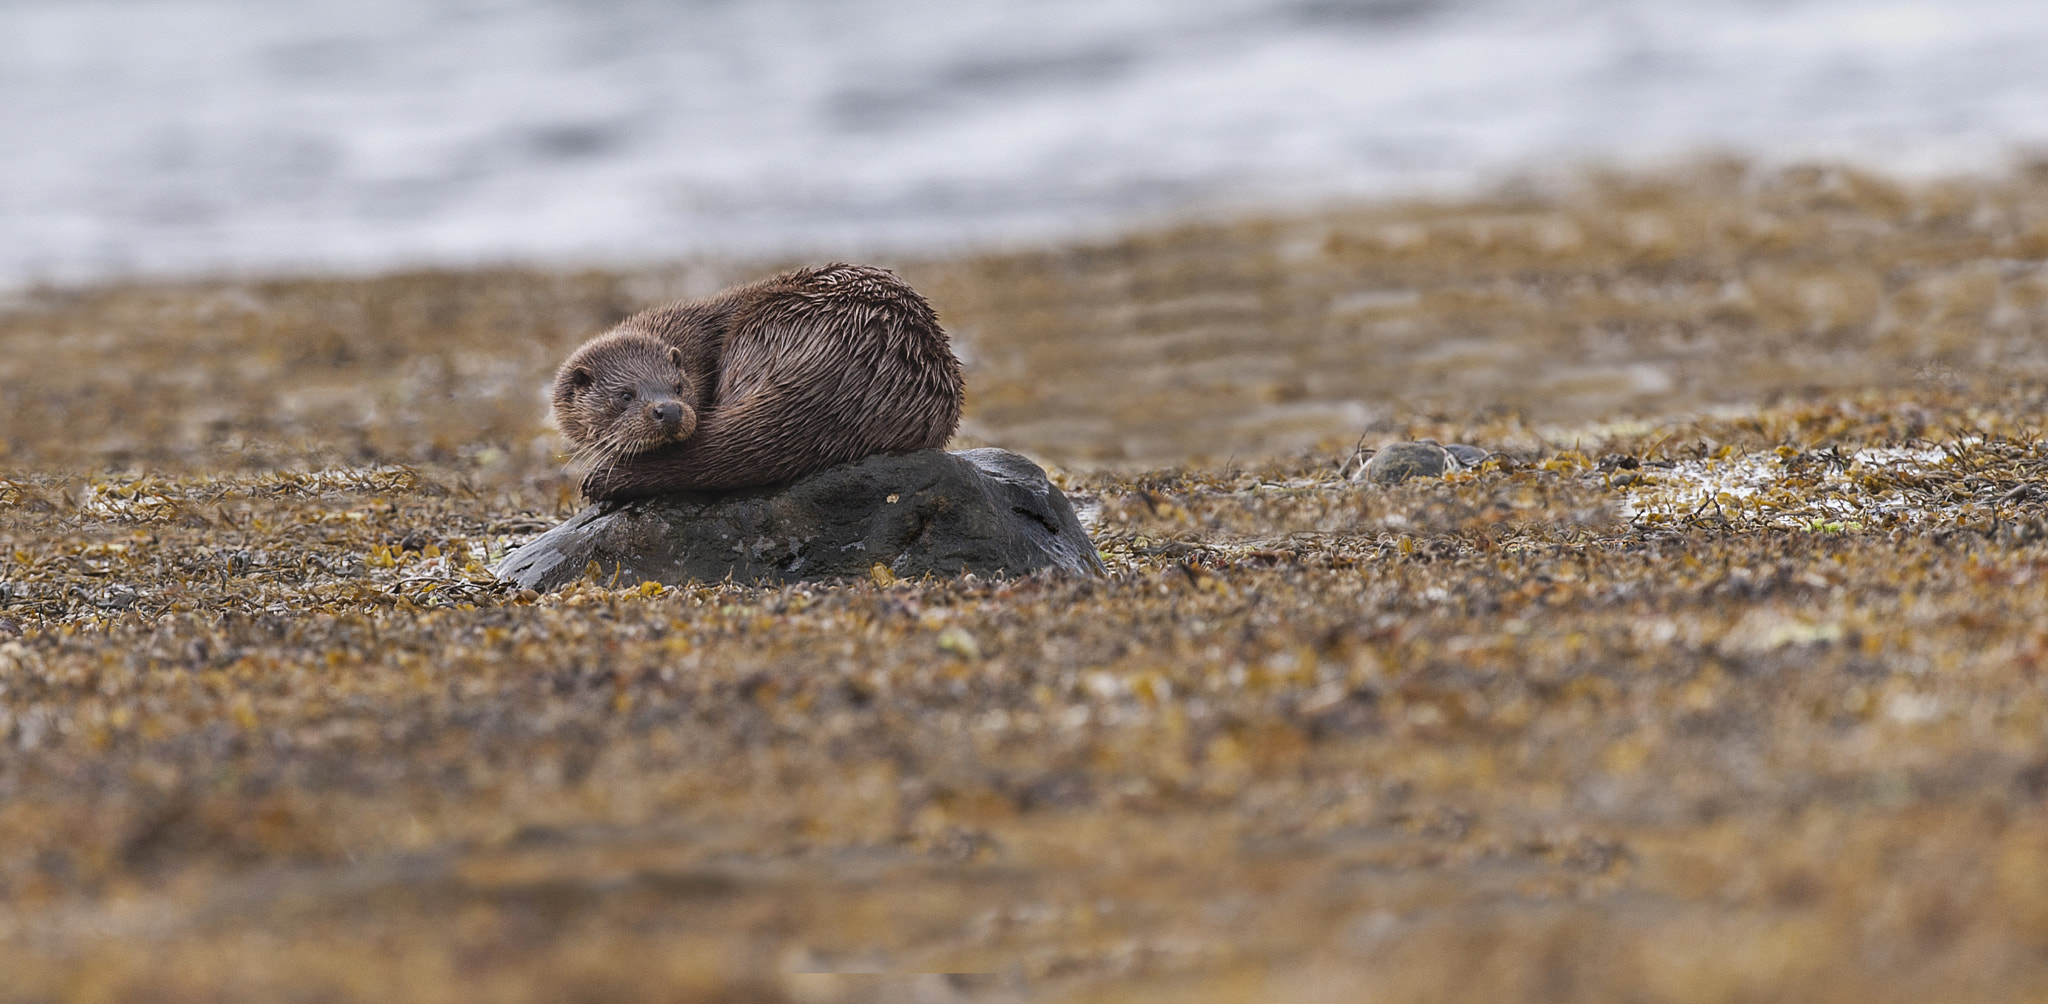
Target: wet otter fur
[624, 393]
[783, 377]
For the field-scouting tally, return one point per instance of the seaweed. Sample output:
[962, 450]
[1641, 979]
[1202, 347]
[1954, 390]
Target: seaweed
[1723, 679]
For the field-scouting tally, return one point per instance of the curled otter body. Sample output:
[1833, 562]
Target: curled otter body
[783, 377]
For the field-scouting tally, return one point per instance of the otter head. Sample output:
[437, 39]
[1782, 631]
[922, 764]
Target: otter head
[624, 393]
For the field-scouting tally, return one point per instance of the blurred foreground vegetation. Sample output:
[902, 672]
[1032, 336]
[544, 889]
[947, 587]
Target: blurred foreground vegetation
[1722, 682]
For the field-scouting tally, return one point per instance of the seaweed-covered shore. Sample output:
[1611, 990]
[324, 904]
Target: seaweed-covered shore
[1723, 681]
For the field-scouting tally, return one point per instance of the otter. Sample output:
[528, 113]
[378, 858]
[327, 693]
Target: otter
[760, 384]
[622, 394]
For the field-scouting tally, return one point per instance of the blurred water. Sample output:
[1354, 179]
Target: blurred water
[146, 136]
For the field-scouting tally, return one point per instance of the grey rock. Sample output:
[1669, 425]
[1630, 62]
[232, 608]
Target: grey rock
[1423, 458]
[1466, 456]
[1401, 461]
[985, 511]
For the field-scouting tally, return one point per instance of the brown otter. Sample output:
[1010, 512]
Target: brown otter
[624, 393]
[778, 379]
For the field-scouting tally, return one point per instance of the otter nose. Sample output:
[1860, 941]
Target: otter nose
[668, 413]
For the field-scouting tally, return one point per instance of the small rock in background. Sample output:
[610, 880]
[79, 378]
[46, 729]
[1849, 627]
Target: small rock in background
[1424, 458]
[989, 511]
[1467, 456]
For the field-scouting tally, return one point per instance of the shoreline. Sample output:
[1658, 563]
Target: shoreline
[1631, 296]
[1741, 703]
[1565, 179]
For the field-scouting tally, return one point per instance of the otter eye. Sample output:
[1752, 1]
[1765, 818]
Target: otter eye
[679, 390]
[625, 395]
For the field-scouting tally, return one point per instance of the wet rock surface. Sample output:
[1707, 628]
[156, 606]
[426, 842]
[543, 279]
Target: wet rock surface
[985, 511]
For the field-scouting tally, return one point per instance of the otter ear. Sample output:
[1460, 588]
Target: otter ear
[580, 377]
[675, 355]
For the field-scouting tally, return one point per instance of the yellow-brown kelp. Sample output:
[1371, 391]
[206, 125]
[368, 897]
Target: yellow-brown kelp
[1722, 681]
